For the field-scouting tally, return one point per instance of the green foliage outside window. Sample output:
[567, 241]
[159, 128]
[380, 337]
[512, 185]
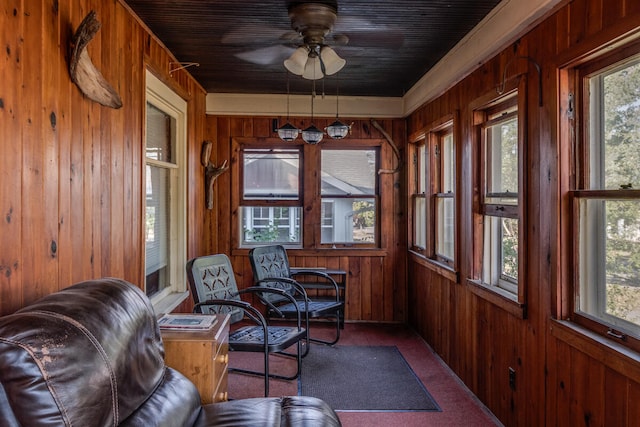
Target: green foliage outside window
[269, 233]
[364, 214]
[621, 154]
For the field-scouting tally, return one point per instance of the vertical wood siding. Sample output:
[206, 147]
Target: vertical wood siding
[71, 197]
[376, 289]
[71, 170]
[557, 383]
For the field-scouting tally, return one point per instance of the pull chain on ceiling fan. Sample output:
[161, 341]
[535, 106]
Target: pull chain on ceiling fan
[314, 59]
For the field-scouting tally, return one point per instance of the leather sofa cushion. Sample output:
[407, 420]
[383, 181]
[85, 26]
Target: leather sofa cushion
[289, 411]
[88, 355]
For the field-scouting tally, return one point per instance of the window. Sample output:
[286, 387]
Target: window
[271, 203]
[327, 224]
[442, 187]
[165, 189]
[606, 198]
[279, 184]
[418, 197]
[433, 195]
[348, 192]
[498, 224]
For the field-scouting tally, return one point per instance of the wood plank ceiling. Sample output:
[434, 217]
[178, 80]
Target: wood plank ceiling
[240, 47]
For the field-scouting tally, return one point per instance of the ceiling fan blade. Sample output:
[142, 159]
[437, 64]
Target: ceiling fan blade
[338, 39]
[376, 39]
[363, 33]
[266, 55]
[291, 37]
[253, 35]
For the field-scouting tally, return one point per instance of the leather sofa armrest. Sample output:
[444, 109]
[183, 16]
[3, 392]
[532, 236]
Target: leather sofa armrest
[175, 402]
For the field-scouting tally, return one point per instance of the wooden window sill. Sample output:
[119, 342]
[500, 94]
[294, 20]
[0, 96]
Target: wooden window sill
[609, 352]
[435, 266]
[325, 252]
[499, 298]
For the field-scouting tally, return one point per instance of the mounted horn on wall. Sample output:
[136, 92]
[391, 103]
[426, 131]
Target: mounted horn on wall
[83, 73]
[211, 172]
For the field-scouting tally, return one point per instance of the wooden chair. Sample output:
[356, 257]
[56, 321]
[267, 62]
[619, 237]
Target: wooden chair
[214, 290]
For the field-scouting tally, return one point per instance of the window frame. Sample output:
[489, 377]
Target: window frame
[435, 177]
[501, 112]
[267, 202]
[168, 101]
[418, 195]
[309, 185]
[575, 130]
[375, 197]
[509, 297]
[426, 176]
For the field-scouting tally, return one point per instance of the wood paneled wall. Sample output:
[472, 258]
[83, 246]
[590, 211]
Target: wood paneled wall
[376, 289]
[71, 203]
[71, 192]
[563, 378]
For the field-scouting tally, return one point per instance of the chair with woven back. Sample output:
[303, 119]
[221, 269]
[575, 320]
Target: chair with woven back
[215, 291]
[270, 266]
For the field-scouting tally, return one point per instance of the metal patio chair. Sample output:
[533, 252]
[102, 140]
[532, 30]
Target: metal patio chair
[214, 290]
[271, 269]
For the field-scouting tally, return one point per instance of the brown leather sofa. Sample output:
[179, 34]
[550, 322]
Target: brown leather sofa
[92, 355]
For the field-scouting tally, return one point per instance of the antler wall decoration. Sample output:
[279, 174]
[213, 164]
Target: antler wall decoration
[393, 145]
[83, 73]
[211, 172]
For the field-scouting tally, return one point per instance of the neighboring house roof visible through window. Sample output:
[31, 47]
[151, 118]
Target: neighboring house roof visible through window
[348, 172]
[343, 173]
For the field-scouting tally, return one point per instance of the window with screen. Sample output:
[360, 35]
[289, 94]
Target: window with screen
[165, 189]
[349, 195]
[605, 258]
[498, 225]
[271, 203]
[433, 194]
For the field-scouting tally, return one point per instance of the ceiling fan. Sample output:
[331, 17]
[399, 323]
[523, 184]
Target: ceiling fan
[314, 59]
[307, 49]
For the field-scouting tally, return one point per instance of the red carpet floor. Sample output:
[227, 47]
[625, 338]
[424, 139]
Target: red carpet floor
[459, 406]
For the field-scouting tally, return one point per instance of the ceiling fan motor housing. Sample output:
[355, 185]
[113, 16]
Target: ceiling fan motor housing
[313, 21]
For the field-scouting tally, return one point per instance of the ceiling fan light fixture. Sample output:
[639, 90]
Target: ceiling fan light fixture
[313, 69]
[332, 62]
[312, 135]
[297, 61]
[337, 130]
[288, 132]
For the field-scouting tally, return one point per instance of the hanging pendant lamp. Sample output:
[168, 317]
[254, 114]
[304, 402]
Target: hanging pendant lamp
[312, 135]
[337, 129]
[288, 132]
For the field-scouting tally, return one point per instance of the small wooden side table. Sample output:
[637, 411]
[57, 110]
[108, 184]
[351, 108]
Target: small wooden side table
[201, 356]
